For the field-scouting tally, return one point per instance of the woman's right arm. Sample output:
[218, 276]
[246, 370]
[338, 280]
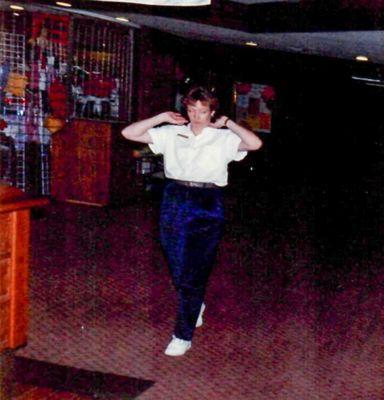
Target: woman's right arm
[138, 131]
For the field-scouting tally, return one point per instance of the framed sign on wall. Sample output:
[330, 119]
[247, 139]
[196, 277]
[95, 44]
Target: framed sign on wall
[253, 105]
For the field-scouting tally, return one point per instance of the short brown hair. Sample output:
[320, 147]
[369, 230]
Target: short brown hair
[201, 94]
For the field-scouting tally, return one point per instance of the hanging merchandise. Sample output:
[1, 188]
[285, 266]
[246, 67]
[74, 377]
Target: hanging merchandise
[4, 72]
[48, 109]
[13, 103]
[50, 27]
[97, 86]
[58, 97]
[56, 67]
[97, 93]
[101, 84]
[7, 159]
[53, 124]
[3, 124]
[16, 84]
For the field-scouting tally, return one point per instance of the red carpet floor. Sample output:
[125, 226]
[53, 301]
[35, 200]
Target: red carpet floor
[294, 306]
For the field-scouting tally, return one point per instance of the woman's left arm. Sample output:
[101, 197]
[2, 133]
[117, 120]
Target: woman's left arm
[249, 140]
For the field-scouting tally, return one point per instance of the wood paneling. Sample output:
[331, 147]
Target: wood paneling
[81, 162]
[14, 259]
[19, 278]
[91, 164]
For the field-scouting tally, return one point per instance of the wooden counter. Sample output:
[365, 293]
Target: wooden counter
[14, 259]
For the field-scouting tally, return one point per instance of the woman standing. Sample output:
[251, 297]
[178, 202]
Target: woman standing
[196, 156]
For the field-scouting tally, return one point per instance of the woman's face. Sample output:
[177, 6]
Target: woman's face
[199, 113]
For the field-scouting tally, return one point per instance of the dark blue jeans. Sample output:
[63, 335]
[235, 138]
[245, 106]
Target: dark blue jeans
[191, 226]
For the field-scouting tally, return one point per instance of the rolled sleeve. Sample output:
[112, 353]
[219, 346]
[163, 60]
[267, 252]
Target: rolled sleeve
[158, 140]
[232, 148]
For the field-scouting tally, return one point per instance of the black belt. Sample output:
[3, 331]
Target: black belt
[205, 185]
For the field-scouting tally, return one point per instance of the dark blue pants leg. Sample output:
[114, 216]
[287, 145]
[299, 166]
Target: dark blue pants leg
[191, 226]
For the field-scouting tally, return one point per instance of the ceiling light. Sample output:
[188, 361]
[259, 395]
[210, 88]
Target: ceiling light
[122, 19]
[365, 79]
[375, 84]
[361, 58]
[16, 14]
[164, 2]
[15, 7]
[254, 44]
[62, 4]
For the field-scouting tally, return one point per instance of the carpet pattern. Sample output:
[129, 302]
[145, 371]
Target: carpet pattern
[294, 305]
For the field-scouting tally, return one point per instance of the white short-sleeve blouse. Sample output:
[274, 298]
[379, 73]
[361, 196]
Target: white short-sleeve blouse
[201, 158]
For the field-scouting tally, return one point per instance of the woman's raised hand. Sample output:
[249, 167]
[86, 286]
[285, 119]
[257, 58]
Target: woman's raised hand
[220, 122]
[173, 118]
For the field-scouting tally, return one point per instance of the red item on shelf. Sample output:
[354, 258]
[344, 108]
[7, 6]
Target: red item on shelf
[53, 124]
[57, 27]
[98, 88]
[3, 124]
[58, 95]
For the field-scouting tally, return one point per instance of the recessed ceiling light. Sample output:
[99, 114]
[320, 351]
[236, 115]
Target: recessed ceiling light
[15, 7]
[122, 19]
[254, 44]
[361, 58]
[62, 4]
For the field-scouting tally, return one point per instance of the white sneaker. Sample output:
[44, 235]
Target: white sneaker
[199, 321]
[177, 347]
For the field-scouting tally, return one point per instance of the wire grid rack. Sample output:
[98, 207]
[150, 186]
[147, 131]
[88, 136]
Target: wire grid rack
[48, 98]
[13, 106]
[102, 70]
[90, 61]
[27, 72]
